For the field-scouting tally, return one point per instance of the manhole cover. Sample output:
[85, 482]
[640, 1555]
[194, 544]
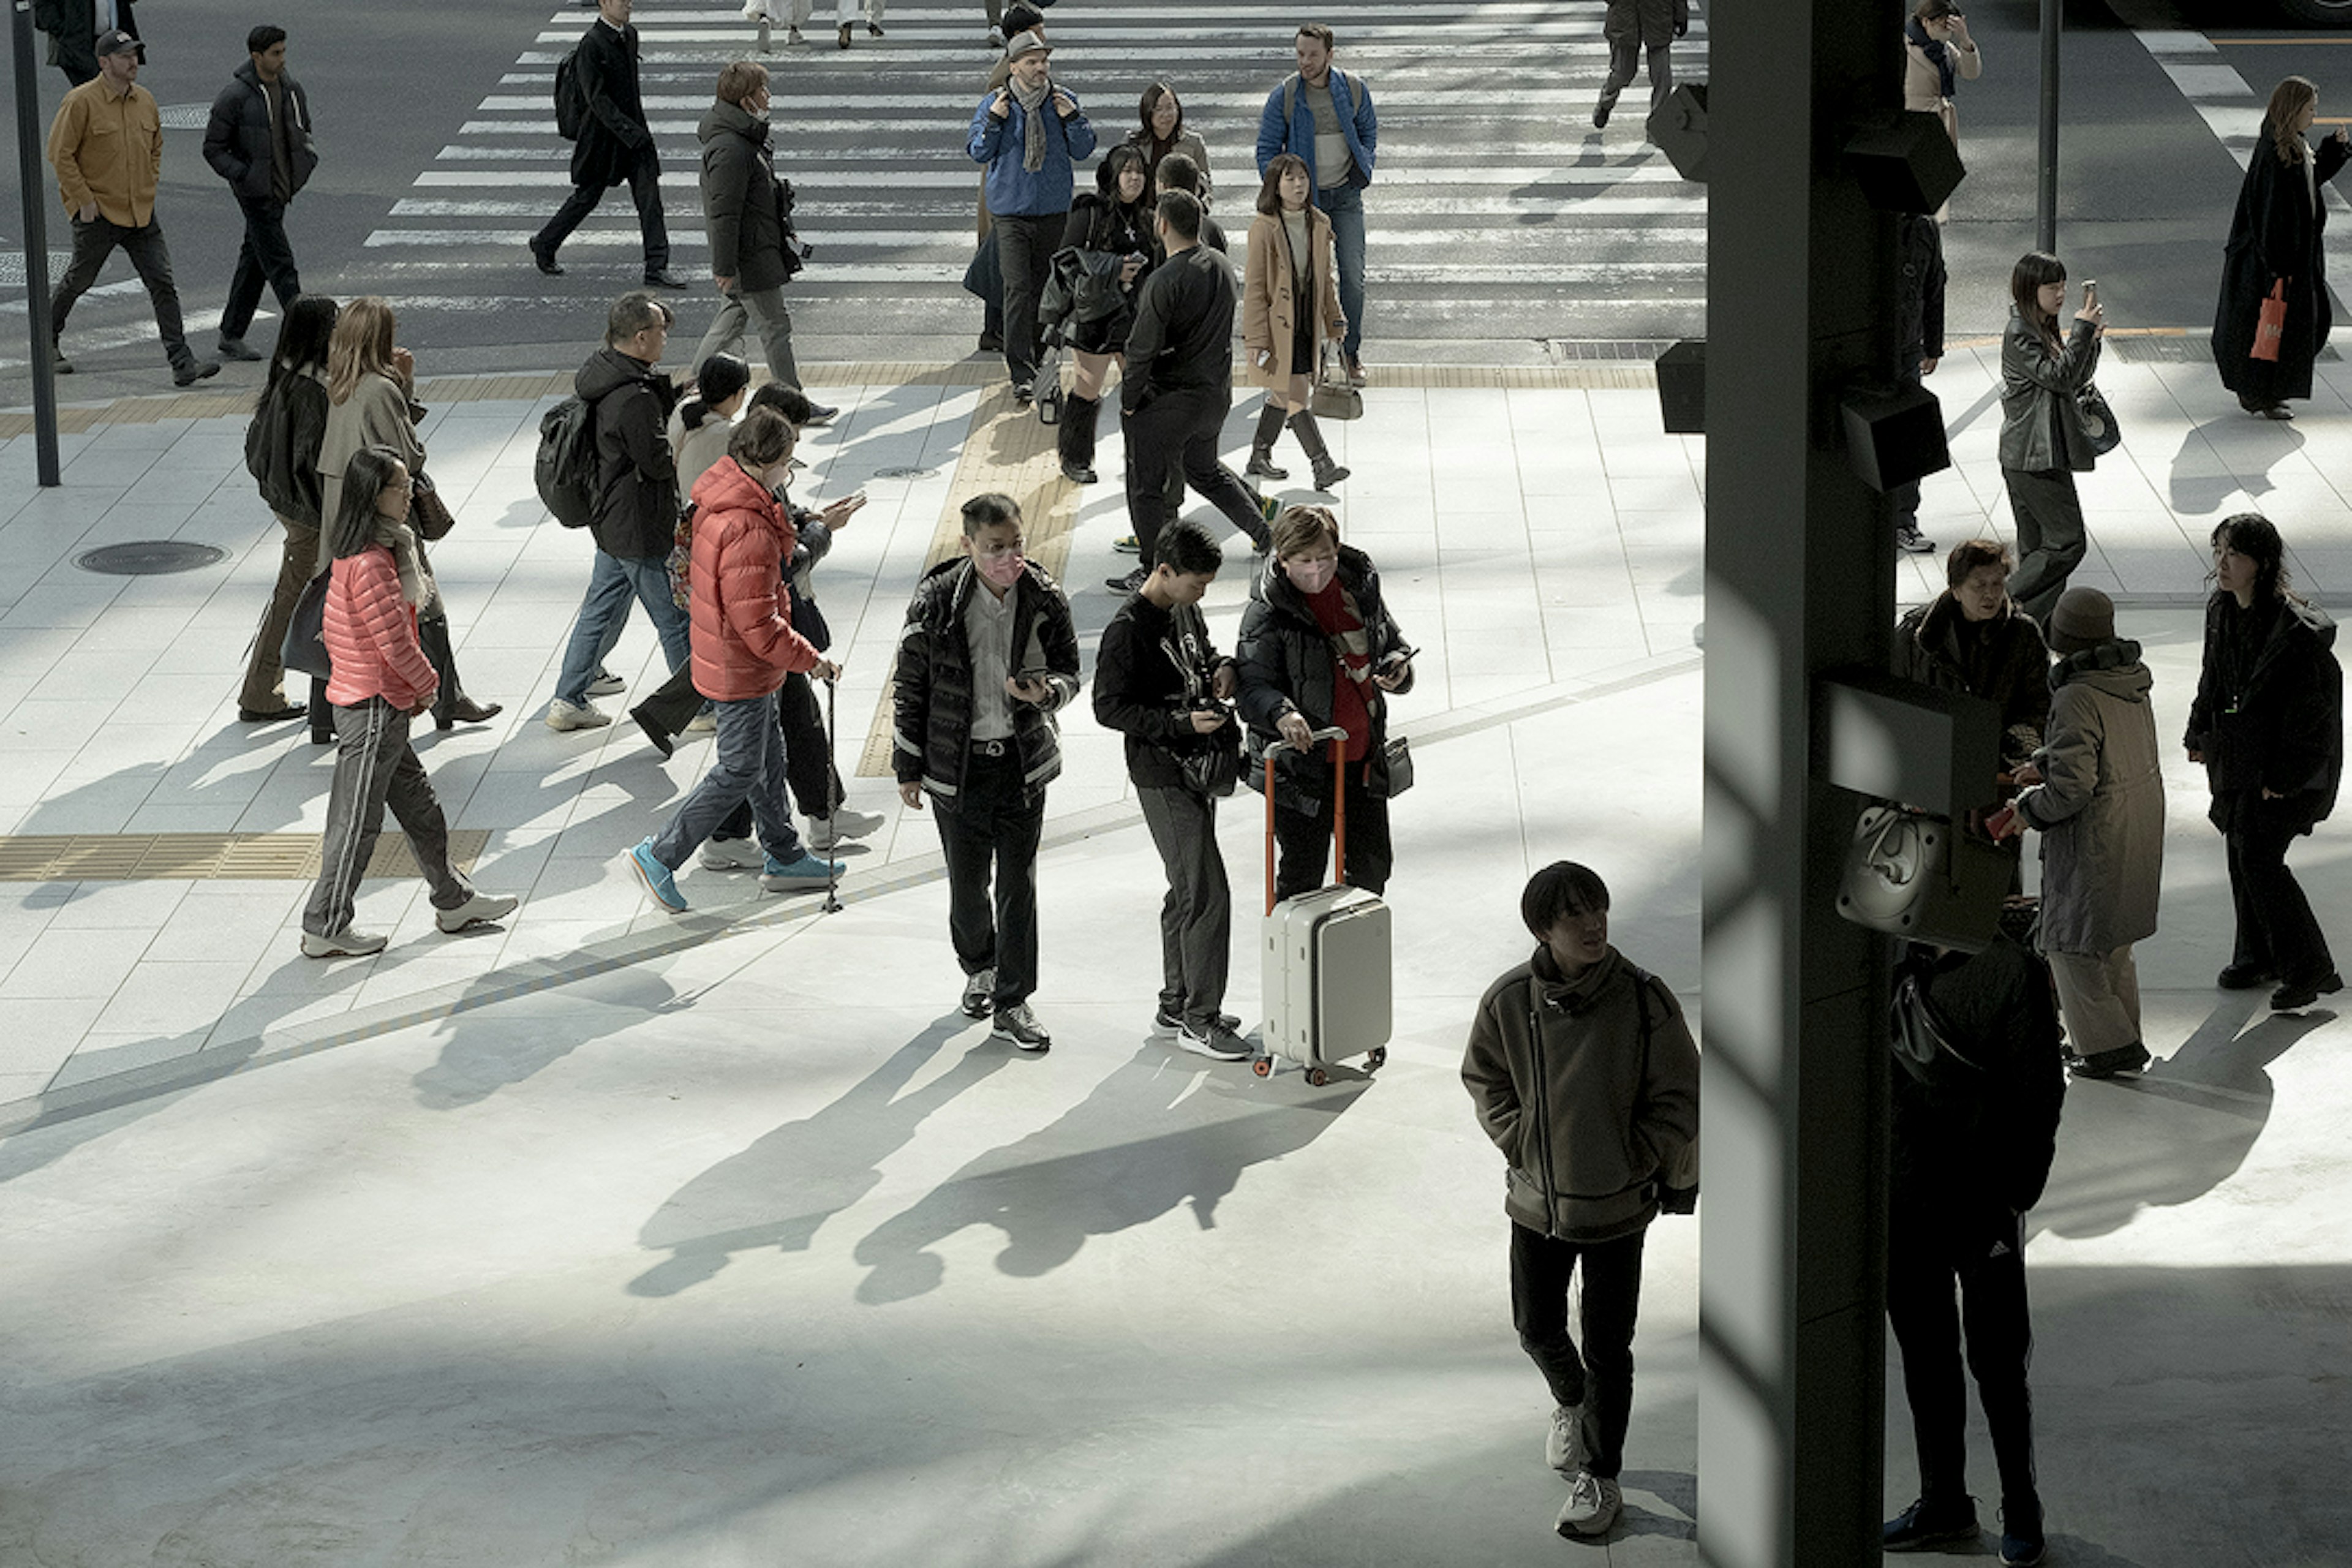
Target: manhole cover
[185, 116]
[150, 557]
[904, 473]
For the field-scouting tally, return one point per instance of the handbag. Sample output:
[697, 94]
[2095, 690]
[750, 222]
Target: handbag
[2098, 420]
[1396, 764]
[1213, 764]
[1331, 398]
[427, 511]
[2270, 326]
[304, 648]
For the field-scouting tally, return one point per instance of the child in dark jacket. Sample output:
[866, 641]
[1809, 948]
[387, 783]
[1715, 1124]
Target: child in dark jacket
[1586, 1077]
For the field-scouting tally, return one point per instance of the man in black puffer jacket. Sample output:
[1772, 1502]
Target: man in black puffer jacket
[259, 140]
[748, 213]
[989, 654]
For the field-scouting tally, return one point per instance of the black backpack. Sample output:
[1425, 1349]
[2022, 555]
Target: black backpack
[570, 99]
[565, 469]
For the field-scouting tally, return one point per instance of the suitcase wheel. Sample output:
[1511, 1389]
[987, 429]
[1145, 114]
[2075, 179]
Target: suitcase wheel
[1262, 1066]
[1375, 1059]
[1317, 1077]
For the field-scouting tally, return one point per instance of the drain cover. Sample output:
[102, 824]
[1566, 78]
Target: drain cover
[150, 557]
[904, 473]
[185, 116]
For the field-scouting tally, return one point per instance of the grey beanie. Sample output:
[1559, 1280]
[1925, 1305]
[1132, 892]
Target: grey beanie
[2082, 617]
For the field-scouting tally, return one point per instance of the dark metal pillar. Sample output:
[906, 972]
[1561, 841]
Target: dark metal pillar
[2046, 202]
[1800, 580]
[33, 181]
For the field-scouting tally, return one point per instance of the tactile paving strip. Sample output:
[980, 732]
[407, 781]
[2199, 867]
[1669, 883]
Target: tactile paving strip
[204, 856]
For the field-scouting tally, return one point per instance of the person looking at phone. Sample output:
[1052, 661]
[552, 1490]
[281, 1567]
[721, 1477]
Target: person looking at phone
[1318, 650]
[1159, 682]
[989, 654]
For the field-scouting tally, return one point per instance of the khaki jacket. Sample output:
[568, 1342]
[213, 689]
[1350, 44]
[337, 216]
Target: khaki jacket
[1269, 302]
[109, 151]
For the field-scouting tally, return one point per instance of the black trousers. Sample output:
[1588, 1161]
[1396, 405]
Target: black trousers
[95, 241]
[2276, 930]
[1602, 1378]
[1024, 253]
[1196, 918]
[2051, 538]
[1934, 1245]
[266, 256]
[644, 188]
[994, 827]
[1176, 434]
[1302, 837]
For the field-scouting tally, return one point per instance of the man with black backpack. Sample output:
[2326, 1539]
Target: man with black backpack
[597, 103]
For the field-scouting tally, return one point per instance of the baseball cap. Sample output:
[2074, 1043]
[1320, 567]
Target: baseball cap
[115, 41]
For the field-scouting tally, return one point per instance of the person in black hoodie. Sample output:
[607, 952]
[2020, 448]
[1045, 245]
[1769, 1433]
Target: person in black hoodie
[281, 452]
[1977, 1099]
[1159, 681]
[636, 520]
[1586, 1077]
[2268, 724]
[1319, 648]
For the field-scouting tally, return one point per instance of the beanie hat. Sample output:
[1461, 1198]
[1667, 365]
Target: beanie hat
[2083, 618]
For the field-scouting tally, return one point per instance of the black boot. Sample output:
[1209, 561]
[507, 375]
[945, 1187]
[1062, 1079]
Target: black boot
[1310, 441]
[323, 714]
[1076, 439]
[1269, 429]
[451, 706]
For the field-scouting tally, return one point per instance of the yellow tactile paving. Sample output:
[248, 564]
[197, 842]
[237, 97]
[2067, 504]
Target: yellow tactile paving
[202, 856]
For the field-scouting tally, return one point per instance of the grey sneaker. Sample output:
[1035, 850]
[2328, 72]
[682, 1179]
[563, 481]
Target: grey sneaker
[482, 909]
[1216, 1040]
[606, 684]
[1017, 1026]
[732, 854]
[345, 943]
[562, 715]
[1593, 1503]
[824, 832]
[979, 993]
[1564, 1449]
[1911, 542]
[1167, 1023]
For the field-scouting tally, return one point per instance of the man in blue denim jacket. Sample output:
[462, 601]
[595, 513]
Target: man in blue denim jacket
[1325, 116]
[1029, 132]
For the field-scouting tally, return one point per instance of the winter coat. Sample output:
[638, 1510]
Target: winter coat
[1919, 291]
[1645, 23]
[1270, 297]
[2008, 665]
[2276, 233]
[378, 413]
[932, 740]
[1923, 80]
[1284, 662]
[2041, 422]
[1013, 191]
[744, 208]
[696, 450]
[614, 129]
[1594, 1120]
[1153, 669]
[637, 476]
[239, 138]
[744, 643]
[283, 442]
[2283, 730]
[72, 27]
[1988, 1130]
[371, 635]
[2100, 806]
[1287, 125]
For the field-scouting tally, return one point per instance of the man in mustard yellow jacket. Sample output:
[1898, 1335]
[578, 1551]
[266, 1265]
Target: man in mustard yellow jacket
[107, 147]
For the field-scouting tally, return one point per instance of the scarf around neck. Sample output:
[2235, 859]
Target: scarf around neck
[1938, 53]
[1032, 140]
[415, 581]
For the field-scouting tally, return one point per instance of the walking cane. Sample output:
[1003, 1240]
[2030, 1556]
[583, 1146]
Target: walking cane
[832, 866]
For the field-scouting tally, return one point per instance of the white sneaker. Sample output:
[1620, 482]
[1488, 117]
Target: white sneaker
[345, 943]
[1592, 1505]
[1216, 1041]
[702, 724]
[481, 909]
[826, 832]
[732, 854]
[1564, 1446]
[607, 684]
[562, 715]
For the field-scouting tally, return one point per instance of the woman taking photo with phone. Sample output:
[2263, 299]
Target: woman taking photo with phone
[1290, 309]
[2275, 249]
[2042, 442]
[1111, 229]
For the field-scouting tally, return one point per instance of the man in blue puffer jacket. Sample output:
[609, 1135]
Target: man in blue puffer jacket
[1030, 133]
[1325, 116]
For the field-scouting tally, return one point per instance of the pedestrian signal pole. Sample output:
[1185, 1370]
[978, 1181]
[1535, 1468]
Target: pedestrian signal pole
[2046, 206]
[32, 184]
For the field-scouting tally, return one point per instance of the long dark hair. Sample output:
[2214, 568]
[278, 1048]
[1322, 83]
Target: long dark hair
[2256, 537]
[1269, 194]
[2035, 270]
[1147, 106]
[365, 479]
[302, 339]
[1115, 212]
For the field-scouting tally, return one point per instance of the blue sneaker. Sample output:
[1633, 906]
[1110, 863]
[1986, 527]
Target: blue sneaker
[798, 876]
[657, 879]
[1929, 1524]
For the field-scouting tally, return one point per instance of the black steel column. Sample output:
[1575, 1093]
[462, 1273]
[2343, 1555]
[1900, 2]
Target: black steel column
[33, 180]
[2046, 201]
[1800, 580]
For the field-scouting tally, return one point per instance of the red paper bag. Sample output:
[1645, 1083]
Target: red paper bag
[2271, 327]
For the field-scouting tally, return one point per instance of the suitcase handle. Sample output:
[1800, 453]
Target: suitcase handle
[1338, 739]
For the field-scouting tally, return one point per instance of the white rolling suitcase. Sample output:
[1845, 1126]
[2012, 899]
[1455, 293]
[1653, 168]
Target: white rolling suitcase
[1325, 982]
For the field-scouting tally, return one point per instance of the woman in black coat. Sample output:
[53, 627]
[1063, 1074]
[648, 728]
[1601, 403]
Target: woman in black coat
[2268, 724]
[1319, 648]
[281, 453]
[2277, 237]
[1110, 228]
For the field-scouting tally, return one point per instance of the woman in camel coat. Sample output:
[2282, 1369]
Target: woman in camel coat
[1289, 258]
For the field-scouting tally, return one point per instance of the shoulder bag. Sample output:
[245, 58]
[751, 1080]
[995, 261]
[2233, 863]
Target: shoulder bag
[1332, 398]
[2098, 420]
[427, 511]
[304, 649]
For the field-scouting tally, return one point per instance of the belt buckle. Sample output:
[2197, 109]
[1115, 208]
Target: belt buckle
[988, 748]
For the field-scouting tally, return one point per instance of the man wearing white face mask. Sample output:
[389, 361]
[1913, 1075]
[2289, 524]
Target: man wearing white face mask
[988, 656]
[744, 644]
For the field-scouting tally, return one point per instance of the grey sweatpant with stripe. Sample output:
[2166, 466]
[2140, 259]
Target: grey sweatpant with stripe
[375, 767]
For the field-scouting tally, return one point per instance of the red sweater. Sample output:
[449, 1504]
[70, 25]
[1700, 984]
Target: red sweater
[744, 643]
[371, 635]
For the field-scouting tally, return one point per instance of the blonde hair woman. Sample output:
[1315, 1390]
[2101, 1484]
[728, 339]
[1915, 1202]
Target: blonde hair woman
[1290, 308]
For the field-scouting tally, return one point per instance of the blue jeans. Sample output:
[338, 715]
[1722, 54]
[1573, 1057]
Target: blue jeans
[1344, 205]
[606, 609]
[750, 764]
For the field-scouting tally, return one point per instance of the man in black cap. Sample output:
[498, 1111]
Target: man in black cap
[107, 147]
[74, 27]
[615, 146]
[259, 140]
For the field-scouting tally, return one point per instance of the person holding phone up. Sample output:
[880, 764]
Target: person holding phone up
[2042, 442]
